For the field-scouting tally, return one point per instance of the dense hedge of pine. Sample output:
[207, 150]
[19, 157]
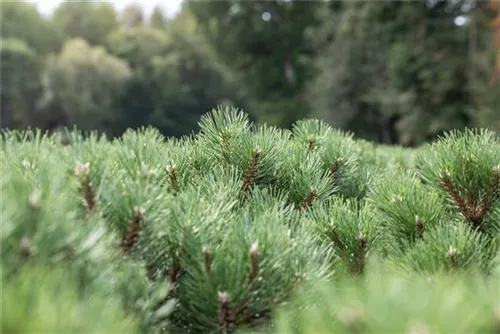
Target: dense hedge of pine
[249, 228]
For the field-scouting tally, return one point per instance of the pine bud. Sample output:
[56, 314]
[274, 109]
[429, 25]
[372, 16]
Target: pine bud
[139, 211]
[35, 198]
[254, 262]
[254, 249]
[419, 329]
[82, 169]
[224, 297]
[25, 247]
[170, 168]
[452, 251]
[451, 254]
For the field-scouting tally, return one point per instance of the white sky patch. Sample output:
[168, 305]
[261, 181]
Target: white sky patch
[169, 7]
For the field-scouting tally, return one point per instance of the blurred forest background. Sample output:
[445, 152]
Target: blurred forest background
[395, 72]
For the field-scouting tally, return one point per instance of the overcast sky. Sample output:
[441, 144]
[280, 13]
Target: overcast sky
[171, 7]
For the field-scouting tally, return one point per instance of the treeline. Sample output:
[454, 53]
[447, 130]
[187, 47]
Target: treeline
[393, 72]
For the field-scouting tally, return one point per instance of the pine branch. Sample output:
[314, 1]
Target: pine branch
[492, 192]
[151, 272]
[25, 248]
[335, 167]
[254, 272]
[82, 170]
[309, 199]
[225, 318]
[251, 170]
[175, 268]
[133, 230]
[336, 239]
[172, 174]
[447, 183]
[469, 210]
[208, 259]
[266, 311]
[451, 255]
[362, 252]
[312, 143]
[420, 226]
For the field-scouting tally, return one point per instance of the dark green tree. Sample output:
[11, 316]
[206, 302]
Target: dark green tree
[176, 79]
[92, 21]
[21, 85]
[264, 43]
[132, 16]
[82, 85]
[158, 19]
[21, 20]
[394, 72]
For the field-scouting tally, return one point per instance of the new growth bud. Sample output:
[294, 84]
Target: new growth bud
[451, 254]
[82, 169]
[35, 198]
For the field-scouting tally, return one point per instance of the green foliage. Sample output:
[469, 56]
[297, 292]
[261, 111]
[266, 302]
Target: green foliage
[36, 302]
[158, 19]
[21, 83]
[244, 228]
[274, 72]
[83, 83]
[22, 21]
[176, 77]
[386, 80]
[389, 303]
[88, 20]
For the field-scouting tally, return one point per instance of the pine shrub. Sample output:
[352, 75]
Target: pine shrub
[246, 227]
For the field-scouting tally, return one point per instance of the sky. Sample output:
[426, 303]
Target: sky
[170, 7]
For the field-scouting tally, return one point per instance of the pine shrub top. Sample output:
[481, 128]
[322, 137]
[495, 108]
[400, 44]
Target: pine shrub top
[249, 228]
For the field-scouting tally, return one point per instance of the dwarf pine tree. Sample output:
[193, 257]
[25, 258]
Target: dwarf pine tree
[246, 227]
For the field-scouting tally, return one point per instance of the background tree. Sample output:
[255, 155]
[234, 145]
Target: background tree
[397, 65]
[263, 42]
[132, 16]
[89, 20]
[20, 85]
[176, 76]
[83, 83]
[21, 20]
[158, 19]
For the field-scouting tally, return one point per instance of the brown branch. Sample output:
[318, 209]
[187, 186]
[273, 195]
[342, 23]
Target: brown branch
[83, 172]
[172, 174]
[252, 275]
[447, 183]
[152, 272]
[264, 312]
[208, 259]
[175, 268]
[25, 248]
[133, 230]
[225, 317]
[362, 252]
[312, 142]
[251, 171]
[309, 199]
[491, 193]
[469, 210]
[335, 167]
[420, 226]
